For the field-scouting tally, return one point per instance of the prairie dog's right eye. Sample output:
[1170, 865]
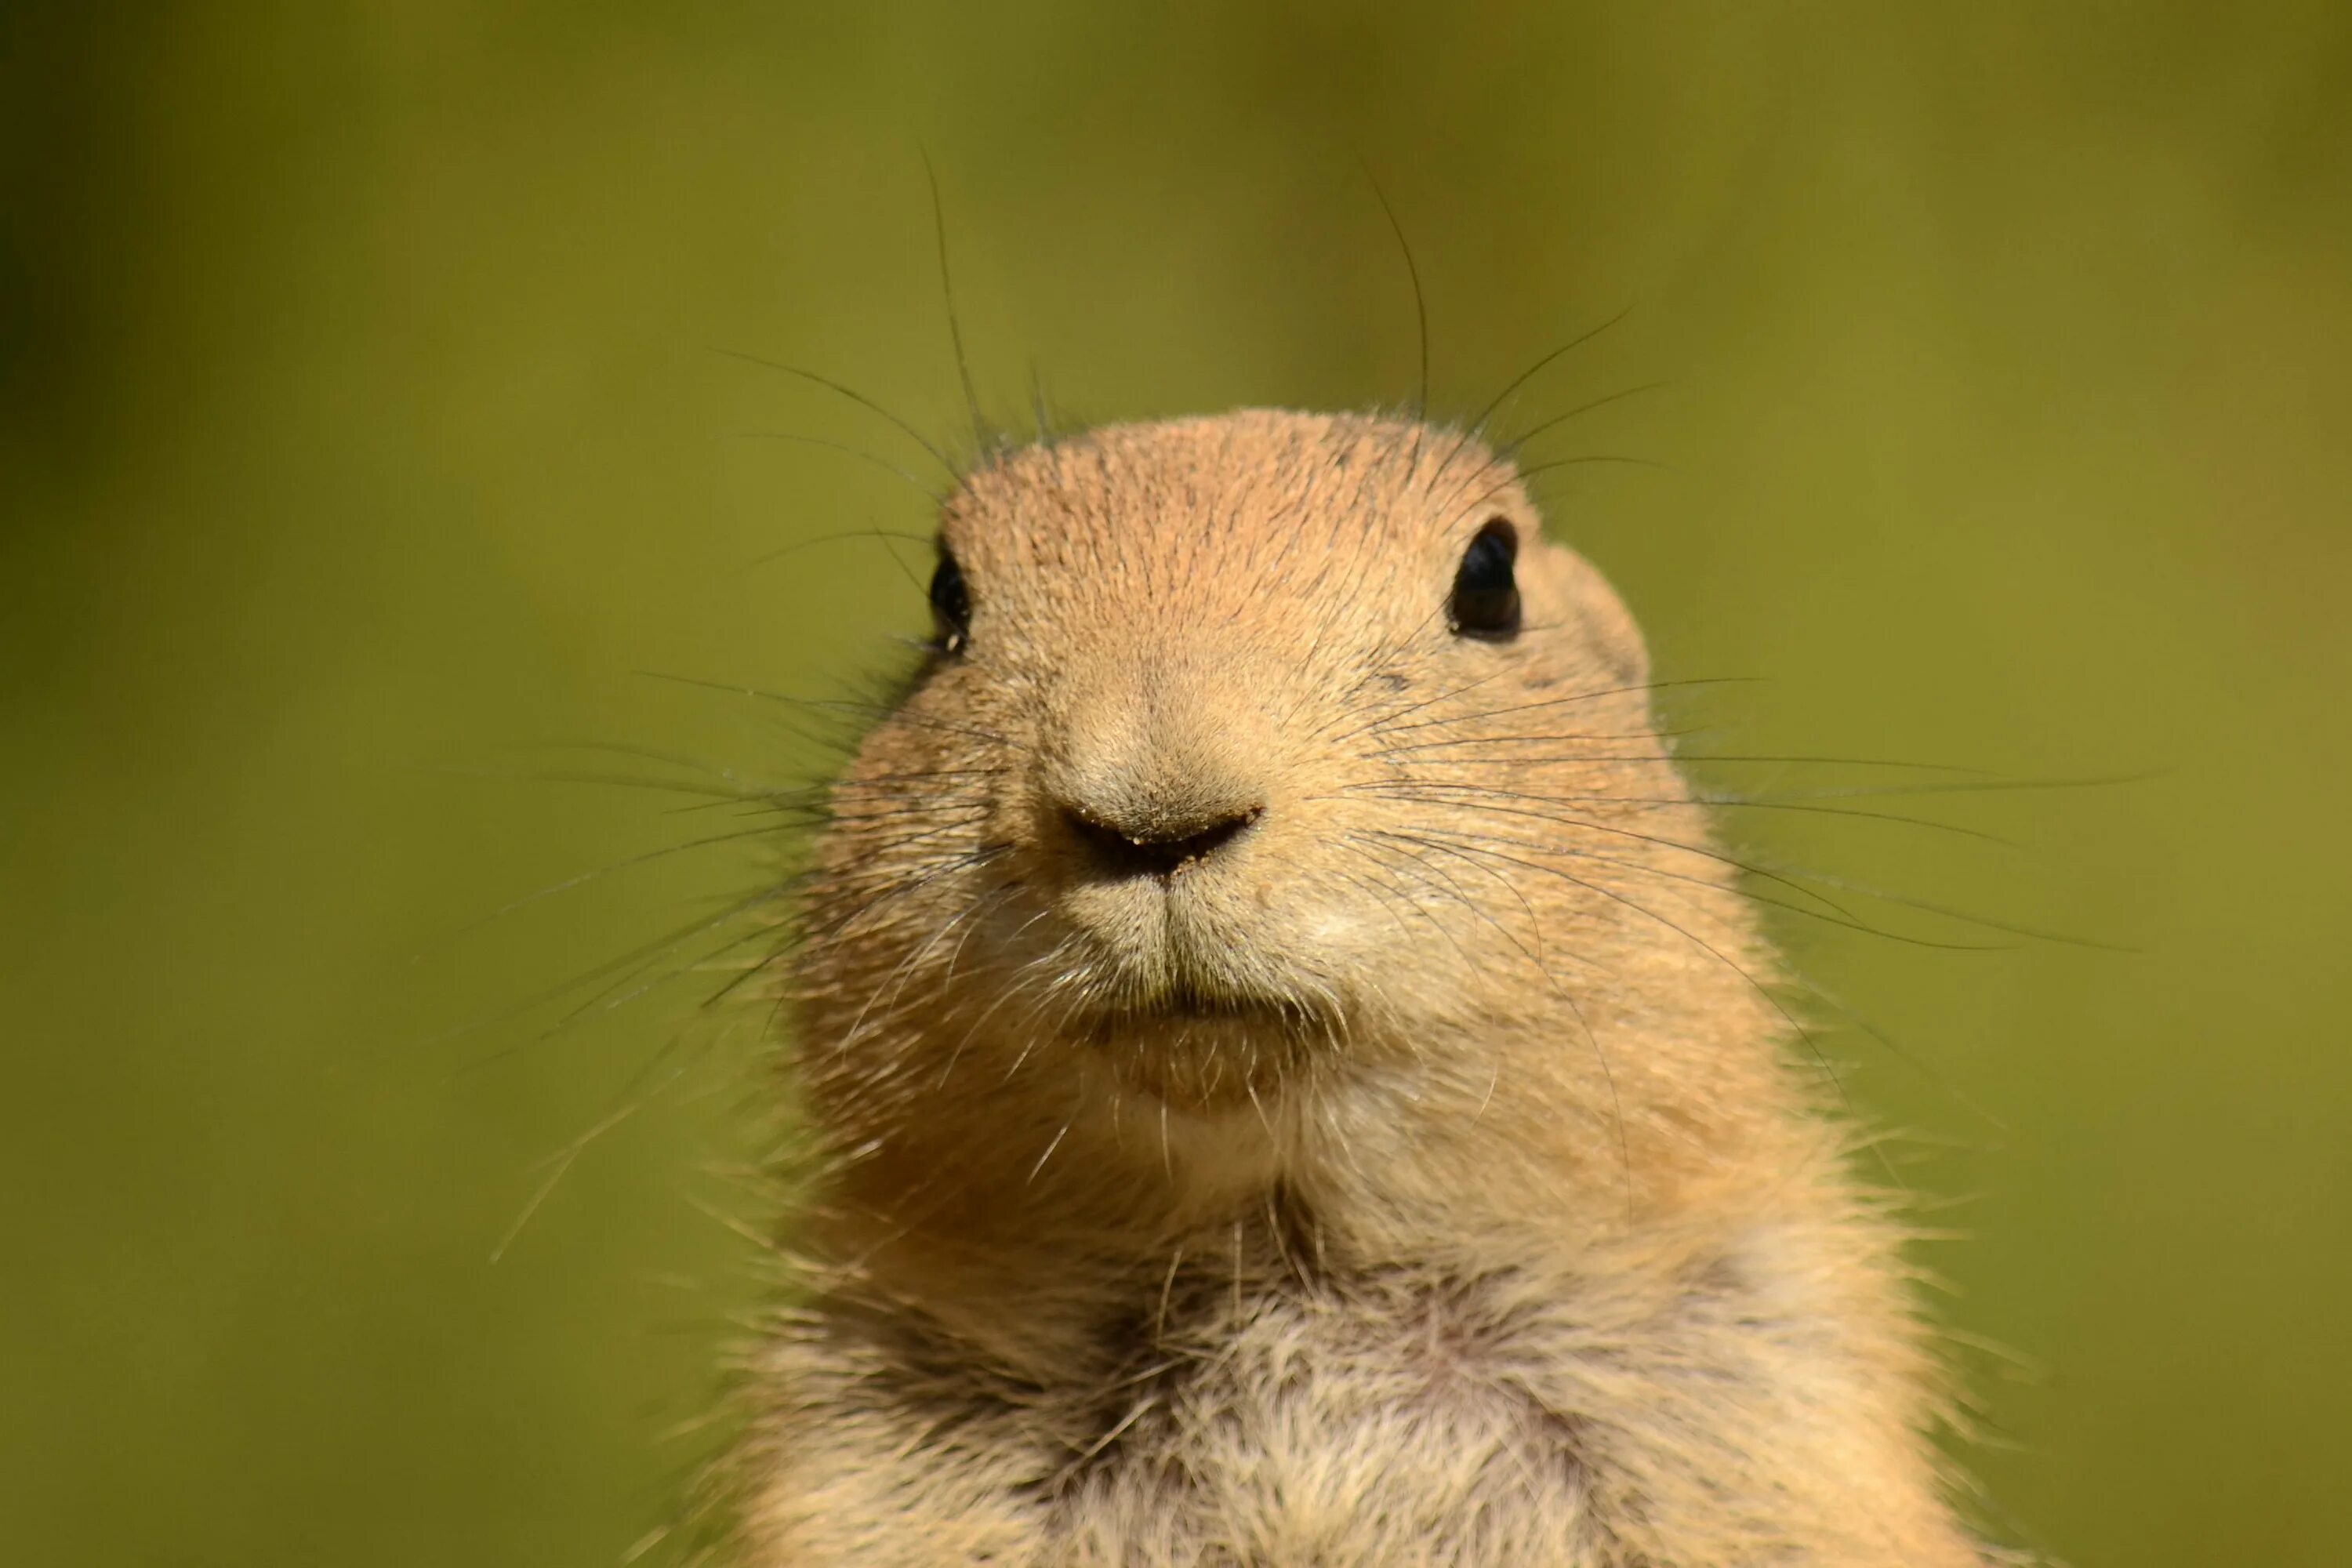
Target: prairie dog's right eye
[951, 604]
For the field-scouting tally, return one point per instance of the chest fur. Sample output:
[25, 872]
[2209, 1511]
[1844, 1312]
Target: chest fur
[1255, 1414]
[1409, 1420]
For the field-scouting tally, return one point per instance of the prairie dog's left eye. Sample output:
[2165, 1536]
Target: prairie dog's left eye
[1486, 602]
[951, 604]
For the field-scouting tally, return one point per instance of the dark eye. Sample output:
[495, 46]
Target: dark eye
[1485, 601]
[951, 604]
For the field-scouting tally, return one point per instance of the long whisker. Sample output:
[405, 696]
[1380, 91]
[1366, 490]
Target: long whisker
[583, 877]
[1834, 913]
[1645, 688]
[935, 498]
[626, 964]
[980, 429]
[1533, 431]
[853, 396]
[1472, 431]
[1564, 819]
[834, 704]
[1441, 789]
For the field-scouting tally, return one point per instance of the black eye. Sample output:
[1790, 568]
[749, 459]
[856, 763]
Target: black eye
[1485, 601]
[951, 604]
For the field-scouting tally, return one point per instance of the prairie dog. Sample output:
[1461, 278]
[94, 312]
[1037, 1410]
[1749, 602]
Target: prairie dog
[1297, 1082]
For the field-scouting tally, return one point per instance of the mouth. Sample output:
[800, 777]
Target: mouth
[1171, 977]
[1185, 1009]
[1211, 1054]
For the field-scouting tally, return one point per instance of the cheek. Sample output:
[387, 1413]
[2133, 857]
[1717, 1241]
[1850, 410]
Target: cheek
[1343, 925]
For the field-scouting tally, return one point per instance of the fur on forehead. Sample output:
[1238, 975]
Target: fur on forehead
[1291, 492]
[1208, 519]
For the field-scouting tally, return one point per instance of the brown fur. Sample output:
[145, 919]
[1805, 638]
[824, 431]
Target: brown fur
[1419, 1179]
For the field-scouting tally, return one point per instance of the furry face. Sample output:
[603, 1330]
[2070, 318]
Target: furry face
[1253, 747]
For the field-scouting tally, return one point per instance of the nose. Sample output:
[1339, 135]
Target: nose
[1157, 770]
[1156, 845]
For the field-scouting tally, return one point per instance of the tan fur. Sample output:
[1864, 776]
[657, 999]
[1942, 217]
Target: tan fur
[1419, 1179]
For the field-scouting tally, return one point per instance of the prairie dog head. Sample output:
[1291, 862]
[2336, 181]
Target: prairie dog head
[1258, 755]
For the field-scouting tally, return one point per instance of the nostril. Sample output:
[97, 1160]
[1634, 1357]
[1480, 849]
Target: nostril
[1160, 849]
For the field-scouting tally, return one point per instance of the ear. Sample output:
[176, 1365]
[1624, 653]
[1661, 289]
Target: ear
[1616, 637]
[1590, 607]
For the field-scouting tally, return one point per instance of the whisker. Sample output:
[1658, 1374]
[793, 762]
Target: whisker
[1565, 820]
[1442, 791]
[1472, 431]
[1482, 716]
[1521, 440]
[1836, 913]
[629, 962]
[935, 498]
[1992, 788]
[980, 428]
[630, 1103]
[879, 710]
[855, 396]
[583, 877]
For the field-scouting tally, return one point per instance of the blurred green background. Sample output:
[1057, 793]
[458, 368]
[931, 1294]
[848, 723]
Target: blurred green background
[361, 444]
